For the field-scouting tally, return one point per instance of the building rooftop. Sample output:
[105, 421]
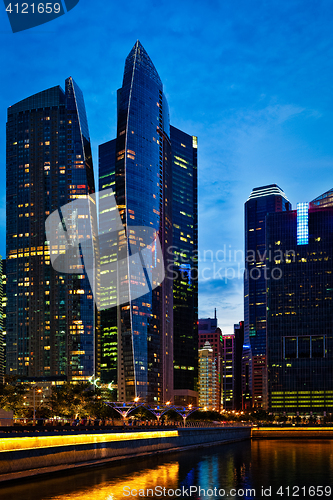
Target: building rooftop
[323, 200]
[270, 189]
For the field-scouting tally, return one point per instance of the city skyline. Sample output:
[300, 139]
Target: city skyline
[166, 273]
[268, 76]
[66, 272]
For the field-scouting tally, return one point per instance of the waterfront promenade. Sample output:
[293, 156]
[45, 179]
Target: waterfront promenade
[37, 452]
[292, 432]
[31, 451]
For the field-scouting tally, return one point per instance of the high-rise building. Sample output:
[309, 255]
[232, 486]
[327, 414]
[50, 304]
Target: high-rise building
[262, 201]
[184, 255]
[108, 330]
[137, 165]
[209, 332]
[227, 372]
[246, 377]
[238, 368]
[208, 383]
[299, 308]
[2, 337]
[4, 312]
[149, 343]
[50, 315]
[231, 369]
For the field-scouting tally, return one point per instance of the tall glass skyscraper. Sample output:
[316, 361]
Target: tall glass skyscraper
[50, 315]
[262, 201]
[138, 166]
[299, 309]
[137, 335]
[184, 255]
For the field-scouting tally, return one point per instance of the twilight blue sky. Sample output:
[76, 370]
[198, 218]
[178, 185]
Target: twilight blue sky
[252, 79]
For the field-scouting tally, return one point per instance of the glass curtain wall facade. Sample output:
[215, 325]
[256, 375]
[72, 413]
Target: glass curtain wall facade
[138, 165]
[324, 200]
[184, 255]
[299, 315]
[50, 326]
[263, 200]
[108, 341]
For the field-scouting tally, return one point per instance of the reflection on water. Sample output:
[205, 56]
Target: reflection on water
[243, 466]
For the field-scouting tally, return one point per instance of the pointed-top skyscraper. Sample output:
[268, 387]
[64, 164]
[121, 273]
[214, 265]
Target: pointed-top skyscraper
[137, 165]
[137, 337]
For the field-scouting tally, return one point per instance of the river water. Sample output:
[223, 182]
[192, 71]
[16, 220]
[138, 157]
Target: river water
[259, 469]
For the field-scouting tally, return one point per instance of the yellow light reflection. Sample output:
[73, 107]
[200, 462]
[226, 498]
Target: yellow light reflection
[28, 443]
[164, 476]
[293, 429]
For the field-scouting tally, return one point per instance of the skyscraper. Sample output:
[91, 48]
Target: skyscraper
[108, 341]
[50, 315]
[137, 335]
[238, 346]
[208, 378]
[139, 164]
[262, 200]
[185, 265]
[2, 340]
[209, 332]
[299, 308]
[227, 372]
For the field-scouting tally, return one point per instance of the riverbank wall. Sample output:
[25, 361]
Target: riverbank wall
[300, 432]
[33, 455]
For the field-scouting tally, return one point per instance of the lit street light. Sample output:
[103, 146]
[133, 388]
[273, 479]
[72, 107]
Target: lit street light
[39, 390]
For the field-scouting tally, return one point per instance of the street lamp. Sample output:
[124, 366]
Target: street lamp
[39, 390]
